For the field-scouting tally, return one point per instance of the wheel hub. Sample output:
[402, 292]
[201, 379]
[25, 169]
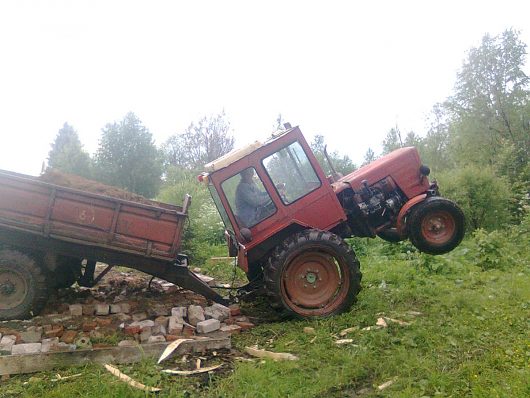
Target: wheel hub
[13, 289]
[7, 288]
[438, 227]
[311, 277]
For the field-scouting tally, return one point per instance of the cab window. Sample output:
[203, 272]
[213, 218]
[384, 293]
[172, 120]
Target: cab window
[248, 198]
[291, 172]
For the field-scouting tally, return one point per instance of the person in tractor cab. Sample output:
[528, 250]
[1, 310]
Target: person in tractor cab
[250, 199]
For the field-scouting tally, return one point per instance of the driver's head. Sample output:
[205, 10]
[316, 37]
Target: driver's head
[247, 174]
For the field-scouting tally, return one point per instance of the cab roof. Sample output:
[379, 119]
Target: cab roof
[239, 153]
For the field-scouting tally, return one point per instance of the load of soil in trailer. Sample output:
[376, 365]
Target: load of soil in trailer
[57, 177]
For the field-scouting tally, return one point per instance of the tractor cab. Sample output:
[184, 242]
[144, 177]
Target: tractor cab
[269, 190]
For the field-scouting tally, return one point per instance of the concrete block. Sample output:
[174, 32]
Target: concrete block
[195, 314]
[31, 336]
[232, 329]
[76, 310]
[207, 326]
[6, 343]
[102, 309]
[217, 311]
[156, 339]
[115, 308]
[181, 312]
[48, 344]
[30, 348]
[139, 316]
[175, 326]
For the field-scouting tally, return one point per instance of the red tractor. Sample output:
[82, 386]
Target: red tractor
[286, 221]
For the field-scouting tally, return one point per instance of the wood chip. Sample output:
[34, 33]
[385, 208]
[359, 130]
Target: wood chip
[348, 330]
[170, 348]
[58, 377]
[277, 356]
[386, 384]
[399, 322]
[133, 383]
[198, 363]
[381, 322]
[191, 372]
[344, 341]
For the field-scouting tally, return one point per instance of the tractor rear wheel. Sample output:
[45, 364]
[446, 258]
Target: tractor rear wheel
[23, 286]
[312, 274]
[436, 226]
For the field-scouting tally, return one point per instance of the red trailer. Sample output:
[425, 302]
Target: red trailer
[49, 234]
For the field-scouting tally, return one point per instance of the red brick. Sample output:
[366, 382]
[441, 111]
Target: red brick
[245, 325]
[235, 310]
[56, 331]
[103, 321]
[88, 326]
[188, 331]
[172, 337]
[131, 330]
[69, 336]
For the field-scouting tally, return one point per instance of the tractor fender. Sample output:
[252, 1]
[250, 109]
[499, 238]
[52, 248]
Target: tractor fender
[400, 222]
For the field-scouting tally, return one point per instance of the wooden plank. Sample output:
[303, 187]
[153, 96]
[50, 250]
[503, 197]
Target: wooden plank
[31, 363]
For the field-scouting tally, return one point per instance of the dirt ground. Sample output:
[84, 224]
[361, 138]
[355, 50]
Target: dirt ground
[71, 181]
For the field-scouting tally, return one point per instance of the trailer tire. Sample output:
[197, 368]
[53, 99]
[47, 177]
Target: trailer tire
[23, 286]
[312, 274]
[436, 225]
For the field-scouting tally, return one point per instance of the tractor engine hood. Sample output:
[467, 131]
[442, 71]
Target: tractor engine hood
[402, 165]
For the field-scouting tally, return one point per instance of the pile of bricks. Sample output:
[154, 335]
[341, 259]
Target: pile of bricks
[85, 324]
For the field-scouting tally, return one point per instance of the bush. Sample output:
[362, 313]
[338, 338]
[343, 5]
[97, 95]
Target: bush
[484, 197]
[491, 251]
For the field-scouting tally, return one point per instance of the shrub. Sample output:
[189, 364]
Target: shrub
[484, 197]
[491, 251]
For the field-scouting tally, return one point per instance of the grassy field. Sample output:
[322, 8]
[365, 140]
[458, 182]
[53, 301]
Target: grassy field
[468, 336]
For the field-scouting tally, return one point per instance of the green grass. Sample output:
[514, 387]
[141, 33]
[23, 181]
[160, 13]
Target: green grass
[472, 339]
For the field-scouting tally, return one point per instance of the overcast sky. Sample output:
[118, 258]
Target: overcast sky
[347, 70]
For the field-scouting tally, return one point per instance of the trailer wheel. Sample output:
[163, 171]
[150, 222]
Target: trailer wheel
[312, 274]
[23, 286]
[436, 225]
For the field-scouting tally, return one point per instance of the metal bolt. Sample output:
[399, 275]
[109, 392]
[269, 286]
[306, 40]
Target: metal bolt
[305, 285]
[314, 286]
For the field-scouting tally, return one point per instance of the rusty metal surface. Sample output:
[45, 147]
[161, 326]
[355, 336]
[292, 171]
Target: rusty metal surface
[70, 215]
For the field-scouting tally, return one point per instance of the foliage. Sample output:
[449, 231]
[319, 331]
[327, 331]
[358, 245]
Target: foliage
[342, 163]
[490, 249]
[491, 101]
[483, 196]
[203, 141]
[128, 158]
[393, 140]
[369, 157]
[67, 153]
[205, 226]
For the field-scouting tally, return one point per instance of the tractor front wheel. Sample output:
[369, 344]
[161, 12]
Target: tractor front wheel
[436, 226]
[312, 274]
[23, 286]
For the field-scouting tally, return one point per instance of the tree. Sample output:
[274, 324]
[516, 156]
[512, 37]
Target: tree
[369, 157]
[67, 153]
[342, 163]
[490, 104]
[392, 140]
[128, 158]
[202, 142]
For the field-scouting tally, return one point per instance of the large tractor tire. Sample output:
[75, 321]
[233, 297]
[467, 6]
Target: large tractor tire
[312, 274]
[23, 286]
[436, 225]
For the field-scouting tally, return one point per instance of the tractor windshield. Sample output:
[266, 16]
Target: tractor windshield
[291, 172]
[220, 208]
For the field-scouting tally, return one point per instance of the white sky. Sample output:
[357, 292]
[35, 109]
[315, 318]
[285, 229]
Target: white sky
[347, 70]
